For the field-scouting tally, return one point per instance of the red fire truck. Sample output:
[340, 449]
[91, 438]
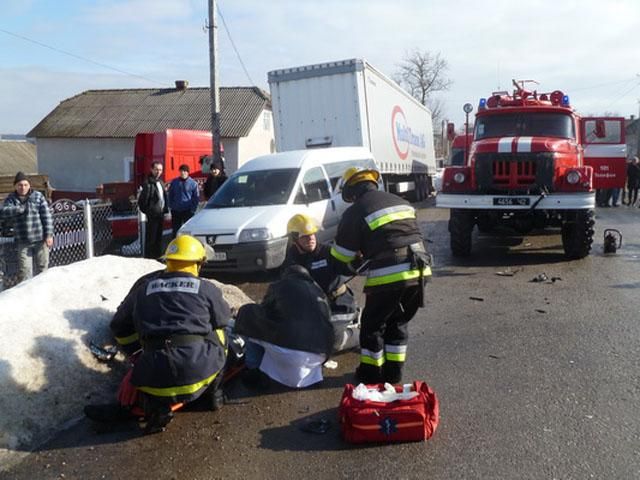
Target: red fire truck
[533, 163]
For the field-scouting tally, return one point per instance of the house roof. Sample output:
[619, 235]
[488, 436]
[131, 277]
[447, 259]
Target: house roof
[17, 156]
[125, 113]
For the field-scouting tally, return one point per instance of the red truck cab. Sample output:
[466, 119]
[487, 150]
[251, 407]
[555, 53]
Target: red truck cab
[533, 162]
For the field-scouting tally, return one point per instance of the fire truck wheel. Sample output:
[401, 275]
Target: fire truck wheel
[577, 234]
[460, 228]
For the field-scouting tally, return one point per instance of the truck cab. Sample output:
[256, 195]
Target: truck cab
[531, 164]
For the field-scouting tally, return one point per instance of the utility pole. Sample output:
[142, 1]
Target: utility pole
[213, 77]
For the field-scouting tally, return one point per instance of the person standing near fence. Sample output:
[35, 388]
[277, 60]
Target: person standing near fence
[33, 231]
[183, 198]
[153, 203]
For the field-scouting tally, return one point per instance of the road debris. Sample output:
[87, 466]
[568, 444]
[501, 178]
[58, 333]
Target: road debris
[477, 299]
[507, 272]
[103, 354]
[539, 310]
[540, 278]
[319, 426]
[497, 357]
[330, 364]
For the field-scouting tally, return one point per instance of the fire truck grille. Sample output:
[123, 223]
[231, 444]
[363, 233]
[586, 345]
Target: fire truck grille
[530, 173]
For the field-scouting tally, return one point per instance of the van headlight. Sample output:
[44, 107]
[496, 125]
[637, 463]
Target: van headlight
[573, 177]
[254, 235]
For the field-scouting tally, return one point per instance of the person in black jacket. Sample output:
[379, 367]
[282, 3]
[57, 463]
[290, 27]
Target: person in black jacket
[633, 181]
[381, 229]
[305, 250]
[214, 180]
[289, 335]
[175, 321]
[152, 201]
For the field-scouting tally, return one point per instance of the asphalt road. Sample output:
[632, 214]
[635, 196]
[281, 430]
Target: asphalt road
[536, 381]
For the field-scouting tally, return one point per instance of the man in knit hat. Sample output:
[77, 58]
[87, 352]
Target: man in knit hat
[33, 226]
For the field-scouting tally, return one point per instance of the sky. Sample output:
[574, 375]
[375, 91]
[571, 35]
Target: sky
[45, 362]
[586, 48]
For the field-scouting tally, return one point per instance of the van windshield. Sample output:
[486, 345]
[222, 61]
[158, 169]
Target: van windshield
[251, 189]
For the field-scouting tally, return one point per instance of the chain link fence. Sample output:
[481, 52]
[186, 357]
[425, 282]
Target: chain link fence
[71, 222]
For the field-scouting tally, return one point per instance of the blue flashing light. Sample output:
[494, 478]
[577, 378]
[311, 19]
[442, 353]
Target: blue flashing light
[565, 100]
[483, 104]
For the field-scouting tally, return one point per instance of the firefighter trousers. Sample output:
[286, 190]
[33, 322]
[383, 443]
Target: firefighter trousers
[384, 330]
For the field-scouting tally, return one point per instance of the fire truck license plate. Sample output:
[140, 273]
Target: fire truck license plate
[507, 201]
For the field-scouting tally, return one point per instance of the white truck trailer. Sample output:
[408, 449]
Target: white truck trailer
[350, 103]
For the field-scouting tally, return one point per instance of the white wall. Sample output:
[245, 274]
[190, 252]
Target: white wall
[260, 140]
[230, 154]
[81, 164]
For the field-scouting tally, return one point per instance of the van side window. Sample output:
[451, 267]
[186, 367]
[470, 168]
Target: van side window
[314, 185]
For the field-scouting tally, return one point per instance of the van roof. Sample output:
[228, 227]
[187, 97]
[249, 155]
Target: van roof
[296, 158]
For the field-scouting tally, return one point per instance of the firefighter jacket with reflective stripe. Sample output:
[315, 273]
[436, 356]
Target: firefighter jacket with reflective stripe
[164, 305]
[381, 226]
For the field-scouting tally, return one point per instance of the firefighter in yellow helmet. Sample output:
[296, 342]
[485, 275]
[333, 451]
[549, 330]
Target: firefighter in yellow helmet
[175, 322]
[380, 231]
[304, 249]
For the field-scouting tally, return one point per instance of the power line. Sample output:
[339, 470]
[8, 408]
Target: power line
[104, 65]
[624, 94]
[234, 45]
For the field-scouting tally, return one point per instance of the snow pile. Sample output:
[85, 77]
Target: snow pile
[47, 373]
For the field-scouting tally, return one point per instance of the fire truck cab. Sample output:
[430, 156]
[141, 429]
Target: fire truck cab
[533, 163]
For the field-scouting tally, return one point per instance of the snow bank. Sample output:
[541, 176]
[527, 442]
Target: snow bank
[47, 373]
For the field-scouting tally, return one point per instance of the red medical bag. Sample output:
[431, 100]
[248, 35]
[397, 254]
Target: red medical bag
[412, 420]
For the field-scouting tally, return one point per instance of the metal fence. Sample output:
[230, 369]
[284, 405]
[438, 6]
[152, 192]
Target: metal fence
[73, 223]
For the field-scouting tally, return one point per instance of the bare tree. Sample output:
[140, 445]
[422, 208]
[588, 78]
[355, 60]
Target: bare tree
[423, 73]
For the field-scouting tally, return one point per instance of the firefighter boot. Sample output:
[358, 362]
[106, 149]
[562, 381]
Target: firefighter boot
[157, 420]
[213, 398]
[392, 372]
[368, 374]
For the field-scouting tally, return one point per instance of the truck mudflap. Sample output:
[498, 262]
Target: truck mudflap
[552, 201]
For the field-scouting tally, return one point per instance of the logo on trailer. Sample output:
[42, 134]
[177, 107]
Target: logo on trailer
[402, 135]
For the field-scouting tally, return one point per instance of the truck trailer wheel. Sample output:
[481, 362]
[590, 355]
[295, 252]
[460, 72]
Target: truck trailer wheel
[461, 224]
[577, 234]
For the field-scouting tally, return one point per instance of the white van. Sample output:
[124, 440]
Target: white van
[246, 220]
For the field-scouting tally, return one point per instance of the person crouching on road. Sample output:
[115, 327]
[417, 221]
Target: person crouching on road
[33, 226]
[175, 321]
[289, 335]
[381, 228]
[305, 250]
[183, 198]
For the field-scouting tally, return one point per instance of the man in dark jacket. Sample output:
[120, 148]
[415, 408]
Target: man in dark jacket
[633, 181]
[289, 334]
[381, 228]
[184, 197]
[305, 250]
[152, 201]
[177, 320]
[214, 181]
[33, 226]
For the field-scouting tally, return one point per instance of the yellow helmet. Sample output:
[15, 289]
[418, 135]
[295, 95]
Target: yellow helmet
[185, 248]
[302, 224]
[354, 175]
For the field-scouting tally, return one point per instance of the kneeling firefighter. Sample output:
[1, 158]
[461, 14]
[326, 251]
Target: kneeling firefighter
[171, 323]
[305, 250]
[380, 228]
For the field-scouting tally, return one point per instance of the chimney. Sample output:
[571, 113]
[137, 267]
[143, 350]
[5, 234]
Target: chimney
[182, 84]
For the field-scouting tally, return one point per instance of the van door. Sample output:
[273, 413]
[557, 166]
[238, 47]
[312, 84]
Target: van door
[605, 150]
[315, 193]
